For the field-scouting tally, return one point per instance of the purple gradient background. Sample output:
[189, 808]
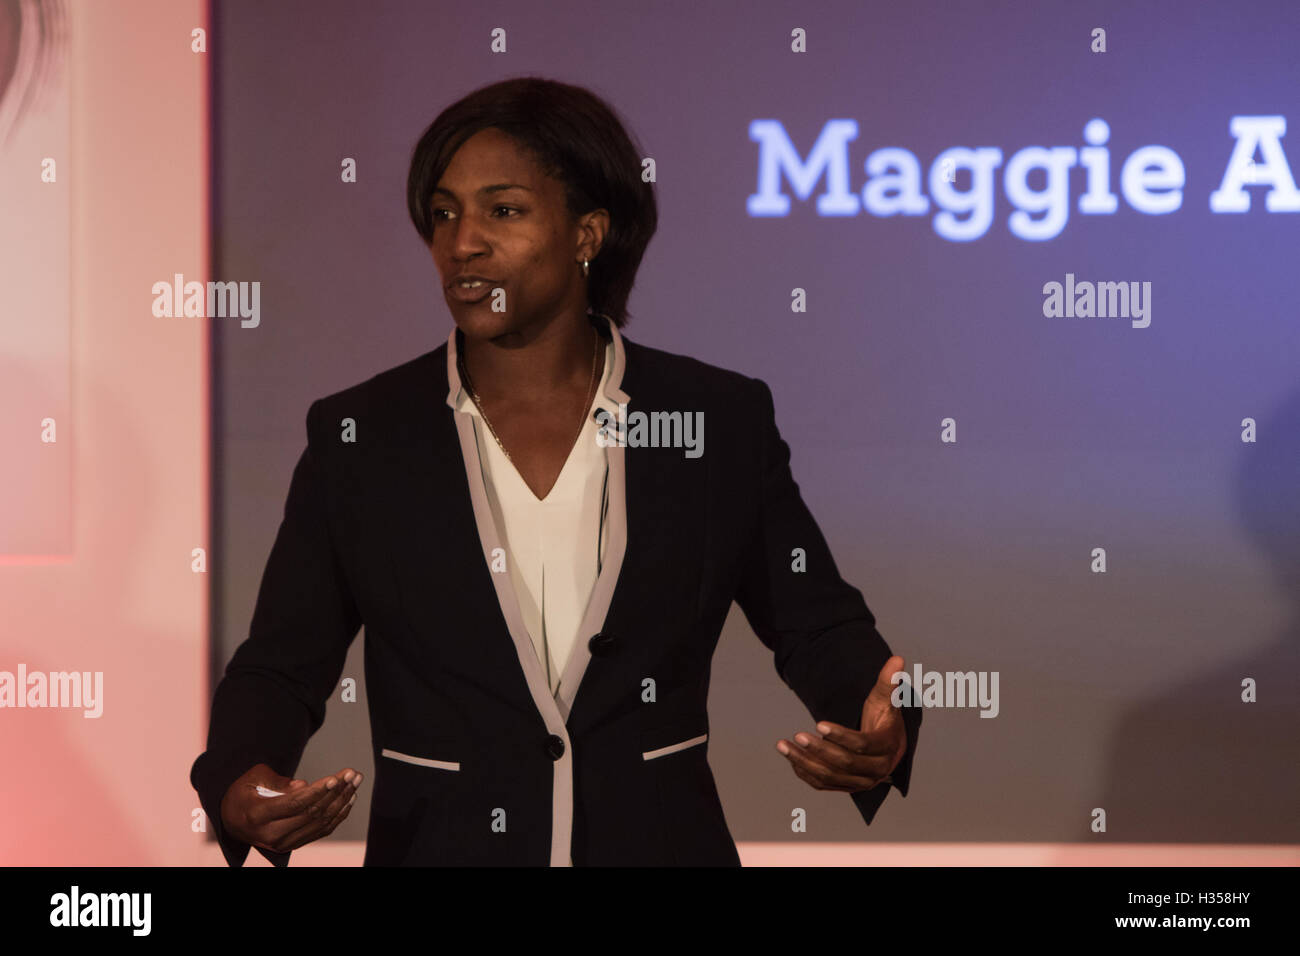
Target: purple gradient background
[1118, 690]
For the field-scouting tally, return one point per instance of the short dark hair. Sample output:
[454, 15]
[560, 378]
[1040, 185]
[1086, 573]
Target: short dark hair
[578, 139]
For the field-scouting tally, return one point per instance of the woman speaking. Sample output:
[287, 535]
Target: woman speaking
[541, 548]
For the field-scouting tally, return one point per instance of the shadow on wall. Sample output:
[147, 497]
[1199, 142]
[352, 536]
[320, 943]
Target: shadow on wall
[1196, 764]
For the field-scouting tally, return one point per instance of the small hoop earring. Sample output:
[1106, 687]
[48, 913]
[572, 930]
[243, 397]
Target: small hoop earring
[584, 268]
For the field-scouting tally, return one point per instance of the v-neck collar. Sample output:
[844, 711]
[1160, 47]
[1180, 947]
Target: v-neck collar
[492, 540]
[504, 468]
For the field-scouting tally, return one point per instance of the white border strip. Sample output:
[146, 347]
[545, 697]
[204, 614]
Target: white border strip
[673, 748]
[422, 761]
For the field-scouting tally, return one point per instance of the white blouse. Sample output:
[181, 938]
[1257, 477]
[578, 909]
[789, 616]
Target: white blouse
[554, 546]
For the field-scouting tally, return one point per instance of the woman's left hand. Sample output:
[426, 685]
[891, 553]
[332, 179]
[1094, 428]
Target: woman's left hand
[854, 760]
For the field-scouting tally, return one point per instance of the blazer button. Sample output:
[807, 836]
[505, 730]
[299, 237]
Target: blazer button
[602, 645]
[555, 746]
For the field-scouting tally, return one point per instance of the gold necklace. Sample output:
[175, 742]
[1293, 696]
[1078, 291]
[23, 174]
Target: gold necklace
[469, 385]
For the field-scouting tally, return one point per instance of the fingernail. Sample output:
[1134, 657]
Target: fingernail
[823, 728]
[329, 784]
[803, 739]
[348, 776]
[782, 747]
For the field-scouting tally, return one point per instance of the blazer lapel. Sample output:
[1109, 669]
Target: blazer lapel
[655, 599]
[426, 506]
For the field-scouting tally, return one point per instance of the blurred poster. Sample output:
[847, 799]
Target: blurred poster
[36, 427]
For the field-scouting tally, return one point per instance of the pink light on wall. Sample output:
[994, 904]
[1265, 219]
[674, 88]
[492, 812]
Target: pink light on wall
[97, 575]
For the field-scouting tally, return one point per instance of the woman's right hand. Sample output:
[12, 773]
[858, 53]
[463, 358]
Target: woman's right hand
[303, 813]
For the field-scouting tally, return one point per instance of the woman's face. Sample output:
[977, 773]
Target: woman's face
[496, 215]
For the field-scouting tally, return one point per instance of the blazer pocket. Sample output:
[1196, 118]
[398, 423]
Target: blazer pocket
[421, 761]
[675, 748]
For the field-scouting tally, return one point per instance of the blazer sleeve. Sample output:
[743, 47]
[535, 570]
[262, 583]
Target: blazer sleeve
[273, 694]
[820, 630]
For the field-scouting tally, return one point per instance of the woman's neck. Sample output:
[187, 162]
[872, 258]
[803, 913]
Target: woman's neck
[537, 365]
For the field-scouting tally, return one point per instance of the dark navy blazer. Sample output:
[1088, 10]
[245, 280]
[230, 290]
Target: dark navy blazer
[475, 762]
